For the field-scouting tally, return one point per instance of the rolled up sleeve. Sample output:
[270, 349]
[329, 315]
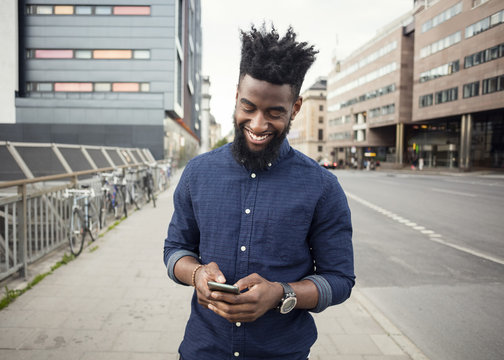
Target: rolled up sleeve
[183, 232]
[331, 243]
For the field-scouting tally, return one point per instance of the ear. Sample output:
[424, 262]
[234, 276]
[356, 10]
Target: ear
[296, 107]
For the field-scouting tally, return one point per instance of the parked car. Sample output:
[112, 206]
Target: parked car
[328, 164]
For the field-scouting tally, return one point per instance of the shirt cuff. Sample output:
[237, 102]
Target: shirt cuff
[176, 256]
[324, 290]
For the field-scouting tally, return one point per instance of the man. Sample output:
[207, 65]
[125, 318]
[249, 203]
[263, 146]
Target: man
[258, 214]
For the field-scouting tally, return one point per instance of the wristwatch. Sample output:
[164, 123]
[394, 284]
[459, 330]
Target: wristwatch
[288, 301]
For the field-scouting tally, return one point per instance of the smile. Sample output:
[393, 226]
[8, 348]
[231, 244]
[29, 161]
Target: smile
[255, 137]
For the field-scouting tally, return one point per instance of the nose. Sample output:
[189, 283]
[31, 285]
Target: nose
[258, 123]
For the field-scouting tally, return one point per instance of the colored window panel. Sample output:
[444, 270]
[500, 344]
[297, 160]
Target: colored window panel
[112, 54]
[44, 87]
[125, 87]
[103, 87]
[53, 54]
[83, 10]
[131, 10]
[44, 10]
[63, 10]
[73, 87]
[83, 54]
[144, 87]
[141, 54]
[103, 10]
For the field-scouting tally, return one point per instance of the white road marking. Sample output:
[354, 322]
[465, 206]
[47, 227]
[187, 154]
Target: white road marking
[454, 192]
[433, 236]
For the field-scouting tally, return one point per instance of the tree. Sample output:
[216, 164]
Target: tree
[220, 143]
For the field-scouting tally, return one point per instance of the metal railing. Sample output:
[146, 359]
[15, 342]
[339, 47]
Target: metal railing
[34, 215]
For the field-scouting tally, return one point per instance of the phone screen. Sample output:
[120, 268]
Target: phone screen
[223, 287]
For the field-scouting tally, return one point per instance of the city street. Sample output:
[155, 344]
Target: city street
[429, 254]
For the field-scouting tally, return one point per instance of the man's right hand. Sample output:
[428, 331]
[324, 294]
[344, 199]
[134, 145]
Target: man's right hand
[206, 273]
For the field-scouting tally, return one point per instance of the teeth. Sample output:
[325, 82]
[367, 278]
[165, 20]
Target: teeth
[257, 138]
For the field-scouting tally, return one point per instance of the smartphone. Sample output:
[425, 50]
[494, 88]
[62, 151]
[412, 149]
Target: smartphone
[215, 286]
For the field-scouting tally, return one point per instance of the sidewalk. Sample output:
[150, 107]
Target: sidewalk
[118, 303]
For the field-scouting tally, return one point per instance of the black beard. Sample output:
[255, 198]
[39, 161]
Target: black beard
[256, 160]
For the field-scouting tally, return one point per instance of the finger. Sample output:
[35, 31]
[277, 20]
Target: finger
[214, 273]
[248, 281]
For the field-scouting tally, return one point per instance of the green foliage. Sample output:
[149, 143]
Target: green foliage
[220, 143]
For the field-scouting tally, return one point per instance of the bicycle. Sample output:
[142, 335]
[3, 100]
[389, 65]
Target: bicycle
[148, 187]
[113, 198]
[133, 189]
[83, 219]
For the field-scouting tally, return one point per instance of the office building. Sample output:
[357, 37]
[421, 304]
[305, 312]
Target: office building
[116, 73]
[458, 98]
[426, 89]
[369, 97]
[308, 128]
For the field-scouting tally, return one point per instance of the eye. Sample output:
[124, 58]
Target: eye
[248, 109]
[275, 114]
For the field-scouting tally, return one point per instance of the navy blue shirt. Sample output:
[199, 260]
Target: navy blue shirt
[286, 223]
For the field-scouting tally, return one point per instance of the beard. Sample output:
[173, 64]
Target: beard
[256, 160]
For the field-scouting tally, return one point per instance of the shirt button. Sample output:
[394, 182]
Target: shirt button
[236, 354]
[269, 164]
[253, 176]
[247, 211]
[238, 324]
[243, 248]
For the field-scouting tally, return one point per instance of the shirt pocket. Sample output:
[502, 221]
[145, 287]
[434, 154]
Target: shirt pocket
[286, 238]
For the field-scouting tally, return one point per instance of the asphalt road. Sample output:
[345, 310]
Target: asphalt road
[429, 253]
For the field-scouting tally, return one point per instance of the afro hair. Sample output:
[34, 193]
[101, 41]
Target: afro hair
[265, 56]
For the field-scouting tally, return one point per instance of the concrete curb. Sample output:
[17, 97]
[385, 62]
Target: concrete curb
[399, 338]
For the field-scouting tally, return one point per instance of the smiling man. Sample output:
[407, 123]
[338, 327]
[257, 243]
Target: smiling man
[260, 215]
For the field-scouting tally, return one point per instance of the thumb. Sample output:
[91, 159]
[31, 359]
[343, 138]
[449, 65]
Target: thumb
[248, 281]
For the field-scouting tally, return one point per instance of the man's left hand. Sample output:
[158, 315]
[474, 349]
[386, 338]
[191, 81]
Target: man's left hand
[262, 295]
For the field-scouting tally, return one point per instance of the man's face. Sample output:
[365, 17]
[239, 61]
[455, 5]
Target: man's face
[263, 111]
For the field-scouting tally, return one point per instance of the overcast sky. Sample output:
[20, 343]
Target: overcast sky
[335, 27]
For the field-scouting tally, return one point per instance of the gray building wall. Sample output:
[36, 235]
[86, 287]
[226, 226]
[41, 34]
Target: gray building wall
[83, 115]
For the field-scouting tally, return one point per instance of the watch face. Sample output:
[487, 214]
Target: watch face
[288, 305]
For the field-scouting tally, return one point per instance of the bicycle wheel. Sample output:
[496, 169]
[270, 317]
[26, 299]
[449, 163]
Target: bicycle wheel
[103, 213]
[77, 232]
[133, 200]
[153, 198]
[118, 204]
[94, 222]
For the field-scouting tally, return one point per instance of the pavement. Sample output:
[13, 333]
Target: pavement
[115, 301]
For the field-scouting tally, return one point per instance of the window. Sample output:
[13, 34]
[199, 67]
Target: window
[484, 24]
[103, 10]
[444, 16]
[102, 87]
[446, 95]
[426, 100]
[319, 148]
[493, 84]
[83, 54]
[87, 10]
[87, 87]
[443, 70]
[476, 3]
[321, 107]
[471, 90]
[375, 112]
[63, 10]
[83, 10]
[321, 134]
[73, 87]
[483, 56]
[441, 44]
[87, 54]
[321, 120]
[131, 10]
[141, 54]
